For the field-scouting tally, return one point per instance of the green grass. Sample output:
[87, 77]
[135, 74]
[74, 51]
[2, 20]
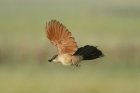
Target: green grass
[113, 26]
[57, 78]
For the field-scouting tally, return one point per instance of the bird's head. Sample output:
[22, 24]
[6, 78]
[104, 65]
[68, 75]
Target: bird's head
[53, 58]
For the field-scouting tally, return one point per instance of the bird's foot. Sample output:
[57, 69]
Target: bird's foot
[77, 65]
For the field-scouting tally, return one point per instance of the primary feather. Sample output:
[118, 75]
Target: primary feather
[61, 38]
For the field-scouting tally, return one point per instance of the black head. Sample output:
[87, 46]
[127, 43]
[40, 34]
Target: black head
[52, 58]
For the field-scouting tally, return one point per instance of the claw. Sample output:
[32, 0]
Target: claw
[77, 65]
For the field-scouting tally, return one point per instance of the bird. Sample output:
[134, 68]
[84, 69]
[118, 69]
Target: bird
[68, 52]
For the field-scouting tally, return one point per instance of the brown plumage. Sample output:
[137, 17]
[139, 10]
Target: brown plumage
[61, 38]
[69, 53]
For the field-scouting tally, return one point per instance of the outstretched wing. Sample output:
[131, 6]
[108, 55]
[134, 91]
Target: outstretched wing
[61, 37]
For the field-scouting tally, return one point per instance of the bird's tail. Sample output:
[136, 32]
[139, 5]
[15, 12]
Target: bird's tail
[89, 52]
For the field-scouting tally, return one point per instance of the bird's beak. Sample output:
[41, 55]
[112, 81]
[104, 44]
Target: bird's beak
[50, 60]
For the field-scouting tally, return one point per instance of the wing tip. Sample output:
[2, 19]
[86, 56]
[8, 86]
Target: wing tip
[53, 21]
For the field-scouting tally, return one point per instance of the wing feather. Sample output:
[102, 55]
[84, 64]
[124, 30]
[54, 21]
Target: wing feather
[61, 37]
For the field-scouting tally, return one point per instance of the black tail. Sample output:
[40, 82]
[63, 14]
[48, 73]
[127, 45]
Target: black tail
[89, 52]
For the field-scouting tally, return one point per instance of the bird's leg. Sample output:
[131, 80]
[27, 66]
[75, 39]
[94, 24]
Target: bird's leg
[77, 65]
[72, 62]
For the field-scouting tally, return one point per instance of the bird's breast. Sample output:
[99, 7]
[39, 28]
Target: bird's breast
[67, 59]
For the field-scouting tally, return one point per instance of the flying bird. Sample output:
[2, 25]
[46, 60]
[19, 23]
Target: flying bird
[68, 51]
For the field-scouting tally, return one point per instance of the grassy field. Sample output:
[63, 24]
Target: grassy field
[113, 26]
[54, 78]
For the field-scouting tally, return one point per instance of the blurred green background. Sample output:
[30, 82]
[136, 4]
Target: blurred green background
[112, 25]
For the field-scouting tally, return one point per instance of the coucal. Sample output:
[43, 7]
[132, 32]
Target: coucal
[68, 51]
